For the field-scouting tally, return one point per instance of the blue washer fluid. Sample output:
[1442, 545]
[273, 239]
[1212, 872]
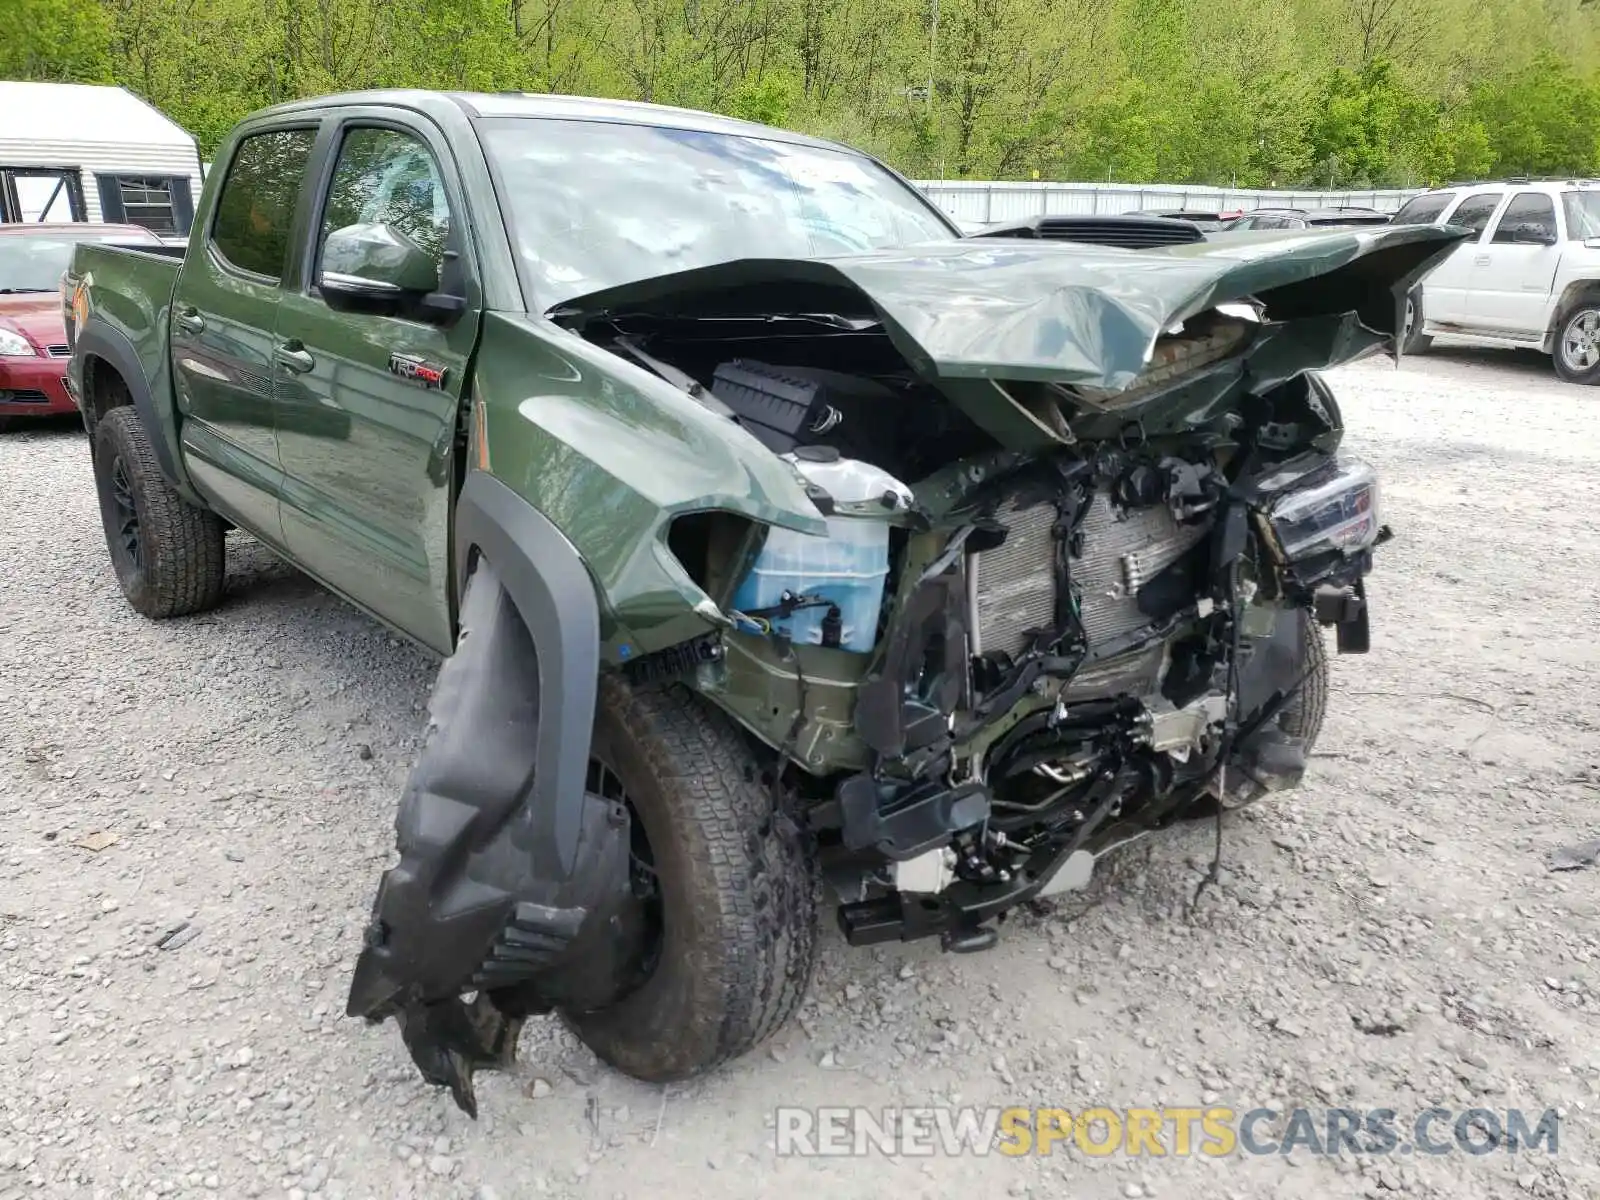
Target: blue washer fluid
[845, 570]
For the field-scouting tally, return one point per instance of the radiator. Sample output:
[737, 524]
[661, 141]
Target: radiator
[1016, 589]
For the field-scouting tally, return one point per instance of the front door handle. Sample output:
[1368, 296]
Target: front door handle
[189, 319]
[1481, 260]
[294, 356]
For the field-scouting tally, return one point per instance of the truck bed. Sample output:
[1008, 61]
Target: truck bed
[132, 291]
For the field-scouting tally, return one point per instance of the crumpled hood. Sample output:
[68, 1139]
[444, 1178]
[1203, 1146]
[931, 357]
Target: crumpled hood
[1053, 311]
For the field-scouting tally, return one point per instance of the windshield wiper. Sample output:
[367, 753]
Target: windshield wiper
[20, 291]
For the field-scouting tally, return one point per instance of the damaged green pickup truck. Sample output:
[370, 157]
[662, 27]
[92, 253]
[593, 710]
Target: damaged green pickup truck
[774, 533]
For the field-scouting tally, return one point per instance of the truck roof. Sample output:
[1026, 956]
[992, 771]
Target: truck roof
[549, 105]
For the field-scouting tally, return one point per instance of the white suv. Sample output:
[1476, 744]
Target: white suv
[1530, 276]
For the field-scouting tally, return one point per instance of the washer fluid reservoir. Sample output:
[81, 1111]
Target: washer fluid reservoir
[828, 591]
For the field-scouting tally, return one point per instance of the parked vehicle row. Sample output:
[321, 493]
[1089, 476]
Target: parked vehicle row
[1308, 218]
[1166, 227]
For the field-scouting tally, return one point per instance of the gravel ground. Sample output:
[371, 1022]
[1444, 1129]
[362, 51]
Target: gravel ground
[1390, 936]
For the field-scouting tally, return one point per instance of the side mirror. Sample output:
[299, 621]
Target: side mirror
[378, 269]
[1533, 233]
[375, 262]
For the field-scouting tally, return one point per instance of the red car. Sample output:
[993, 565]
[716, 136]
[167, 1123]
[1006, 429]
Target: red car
[33, 333]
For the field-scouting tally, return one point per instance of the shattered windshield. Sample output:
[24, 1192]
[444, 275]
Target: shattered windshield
[1583, 214]
[593, 204]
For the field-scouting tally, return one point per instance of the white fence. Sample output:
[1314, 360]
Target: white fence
[976, 201]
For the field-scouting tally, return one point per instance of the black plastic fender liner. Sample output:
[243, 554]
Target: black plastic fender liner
[555, 599]
[495, 829]
[101, 341]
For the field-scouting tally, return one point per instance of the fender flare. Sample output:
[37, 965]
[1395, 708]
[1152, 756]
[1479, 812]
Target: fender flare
[555, 597]
[100, 340]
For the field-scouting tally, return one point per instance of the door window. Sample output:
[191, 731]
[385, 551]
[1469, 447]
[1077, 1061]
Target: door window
[386, 177]
[1423, 210]
[1526, 208]
[1474, 212]
[256, 208]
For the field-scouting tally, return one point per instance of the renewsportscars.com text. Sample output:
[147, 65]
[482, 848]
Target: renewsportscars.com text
[1214, 1132]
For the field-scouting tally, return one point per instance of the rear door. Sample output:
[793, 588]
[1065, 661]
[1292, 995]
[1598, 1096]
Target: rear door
[366, 398]
[1514, 273]
[223, 315]
[1445, 290]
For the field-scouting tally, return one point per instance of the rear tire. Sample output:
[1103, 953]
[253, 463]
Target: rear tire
[168, 555]
[1577, 347]
[739, 889]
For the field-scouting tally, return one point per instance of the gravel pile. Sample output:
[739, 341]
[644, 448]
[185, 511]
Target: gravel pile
[193, 816]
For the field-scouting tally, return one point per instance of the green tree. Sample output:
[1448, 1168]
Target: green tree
[1351, 92]
[65, 41]
[1541, 120]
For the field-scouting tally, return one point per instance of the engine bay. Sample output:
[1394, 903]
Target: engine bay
[1027, 639]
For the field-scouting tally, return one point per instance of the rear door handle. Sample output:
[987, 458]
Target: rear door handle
[1481, 260]
[295, 357]
[189, 319]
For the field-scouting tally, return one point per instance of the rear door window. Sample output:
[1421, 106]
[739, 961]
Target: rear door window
[1474, 212]
[255, 211]
[1423, 210]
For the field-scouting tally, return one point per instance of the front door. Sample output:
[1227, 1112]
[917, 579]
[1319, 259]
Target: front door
[1511, 288]
[367, 401]
[223, 316]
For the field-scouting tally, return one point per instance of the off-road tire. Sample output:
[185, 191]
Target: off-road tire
[1413, 340]
[1302, 714]
[739, 885]
[1565, 369]
[180, 567]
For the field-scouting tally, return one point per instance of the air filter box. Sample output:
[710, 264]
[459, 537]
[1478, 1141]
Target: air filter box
[780, 406]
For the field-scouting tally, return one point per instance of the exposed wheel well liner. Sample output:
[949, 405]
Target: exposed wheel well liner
[555, 597]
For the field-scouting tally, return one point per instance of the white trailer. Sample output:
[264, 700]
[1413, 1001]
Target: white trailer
[77, 152]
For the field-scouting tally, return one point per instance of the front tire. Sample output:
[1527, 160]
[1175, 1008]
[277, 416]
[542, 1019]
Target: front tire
[168, 555]
[1577, 348]
[738, 889]
[1302, 714]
